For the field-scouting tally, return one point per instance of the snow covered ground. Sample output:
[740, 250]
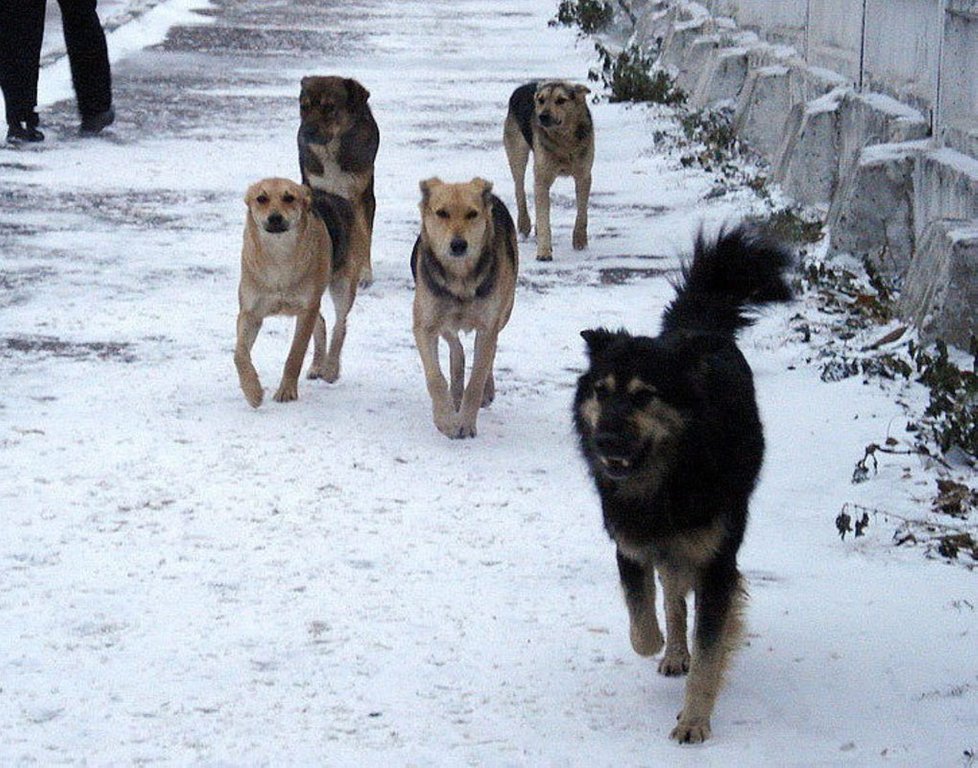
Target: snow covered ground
[331, 582]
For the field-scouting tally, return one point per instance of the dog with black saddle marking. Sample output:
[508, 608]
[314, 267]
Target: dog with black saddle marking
[670, 431]
[464, 264]
[552, 120]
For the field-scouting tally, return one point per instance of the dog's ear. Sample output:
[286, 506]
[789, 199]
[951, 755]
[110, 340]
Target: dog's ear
[485, 187]
[581, 90]
[357, 95]
[250, 195]
[426, 186]
[597, 340]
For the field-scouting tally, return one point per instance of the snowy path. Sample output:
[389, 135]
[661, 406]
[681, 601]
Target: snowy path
[332, 582]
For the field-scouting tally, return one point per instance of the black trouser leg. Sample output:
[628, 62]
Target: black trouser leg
[88, 56]
[21, 33]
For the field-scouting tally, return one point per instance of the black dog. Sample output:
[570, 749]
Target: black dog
[670, 431]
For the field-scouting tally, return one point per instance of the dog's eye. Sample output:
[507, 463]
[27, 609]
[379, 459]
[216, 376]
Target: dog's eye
[561, 101]
[602, 388]
[288, 198]
[471, 215]
[262, 199]
[642, 394]
[441, 213]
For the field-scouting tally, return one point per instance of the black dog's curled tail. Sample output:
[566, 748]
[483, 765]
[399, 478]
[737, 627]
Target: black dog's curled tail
[740, 269]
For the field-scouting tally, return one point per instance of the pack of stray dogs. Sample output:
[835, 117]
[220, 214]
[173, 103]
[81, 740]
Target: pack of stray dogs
[668, 425]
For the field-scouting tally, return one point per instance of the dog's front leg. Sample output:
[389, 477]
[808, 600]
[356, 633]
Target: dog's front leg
[582, 190]
[442, 411]
[456, 367]
[288, 389]
[675, 586]
[485, 355]
[248, 327]
[518, 154]
[719, 604]
[542, 181]
[638, 583]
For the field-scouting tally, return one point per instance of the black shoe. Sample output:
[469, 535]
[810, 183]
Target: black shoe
[18, 134]
[92, 125]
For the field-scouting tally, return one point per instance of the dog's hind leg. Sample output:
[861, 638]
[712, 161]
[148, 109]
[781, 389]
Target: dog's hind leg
[675, 586]
[638, 584]
[456, 366]
[719, 605]
[305, 323]
[518, 155]
[318, 349]
[489, 392]
[582, 190]
[248, 327]
[342, 292]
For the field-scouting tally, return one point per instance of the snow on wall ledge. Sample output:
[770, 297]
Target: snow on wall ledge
[894, 193]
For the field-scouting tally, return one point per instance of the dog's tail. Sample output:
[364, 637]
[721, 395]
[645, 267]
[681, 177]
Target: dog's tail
[740, 269]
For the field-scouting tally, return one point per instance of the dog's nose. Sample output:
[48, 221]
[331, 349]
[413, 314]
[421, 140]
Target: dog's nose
[459, 246]
[275, 222]
[309, 131]
[546, 119]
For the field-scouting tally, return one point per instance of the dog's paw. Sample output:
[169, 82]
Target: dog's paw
[252, 391]
[326, 372]
[674, 663]
[547, 255]
[693, 731]
[287, 392]
[646, 640]
[366, 278]
[465, 430]
[580, 239]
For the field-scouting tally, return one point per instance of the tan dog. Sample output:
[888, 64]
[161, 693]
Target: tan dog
[338, 140]
[464, 264]
[286, 262]
[553, 120]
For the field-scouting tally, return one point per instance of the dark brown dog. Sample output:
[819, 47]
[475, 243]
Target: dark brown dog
[338, 140]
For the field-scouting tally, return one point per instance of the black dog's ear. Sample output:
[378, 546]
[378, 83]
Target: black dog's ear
[597, 340]
[356, 93]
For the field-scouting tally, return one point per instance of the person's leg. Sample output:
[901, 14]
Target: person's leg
[88, 56]
[21, 34]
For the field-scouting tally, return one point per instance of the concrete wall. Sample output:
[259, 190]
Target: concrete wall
[871, 116]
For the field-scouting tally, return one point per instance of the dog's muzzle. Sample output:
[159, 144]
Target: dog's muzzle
[276, 224]
[617, 460]
[547, 120]
[459, 246]
[313, 133]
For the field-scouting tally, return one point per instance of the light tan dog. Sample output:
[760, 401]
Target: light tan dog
[286, 262]
[464, 264]
[552, 119]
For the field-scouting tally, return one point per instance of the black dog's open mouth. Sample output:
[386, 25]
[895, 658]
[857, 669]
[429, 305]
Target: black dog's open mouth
[617, 467]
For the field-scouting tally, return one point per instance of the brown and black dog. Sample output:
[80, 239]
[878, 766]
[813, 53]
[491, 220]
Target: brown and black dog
[552, 119]
[338, 140]
[464, 264]
[286, 262]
